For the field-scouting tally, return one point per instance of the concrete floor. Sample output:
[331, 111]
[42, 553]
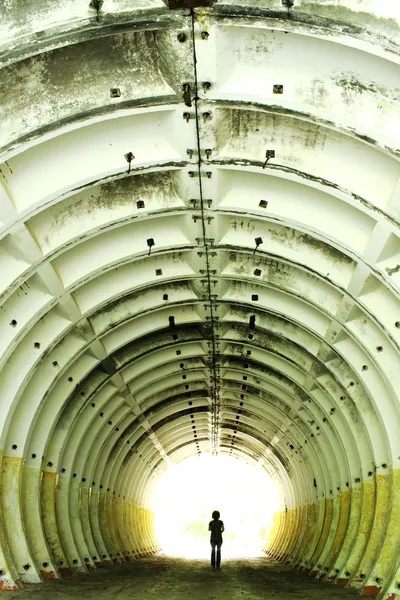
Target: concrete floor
[181, 579]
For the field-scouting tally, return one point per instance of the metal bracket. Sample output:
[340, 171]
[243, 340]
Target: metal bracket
[193, 152]
[129, 158]
[187, 116]
[268, 154]
[97, 5]
[207, 174]
[187, 97]
[197, 202]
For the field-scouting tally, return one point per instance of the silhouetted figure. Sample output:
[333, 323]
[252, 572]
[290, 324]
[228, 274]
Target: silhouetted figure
[216, 527]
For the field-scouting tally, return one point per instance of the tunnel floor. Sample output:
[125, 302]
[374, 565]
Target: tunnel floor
[179, 579]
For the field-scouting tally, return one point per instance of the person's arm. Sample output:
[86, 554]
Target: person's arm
[222, 527]
[209, 527]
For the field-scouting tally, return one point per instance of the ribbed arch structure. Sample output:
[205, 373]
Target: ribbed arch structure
[200, 252]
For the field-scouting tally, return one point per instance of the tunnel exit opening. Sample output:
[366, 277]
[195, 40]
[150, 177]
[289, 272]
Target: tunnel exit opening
[188, 492]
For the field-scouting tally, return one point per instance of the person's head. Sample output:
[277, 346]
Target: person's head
[216, 514]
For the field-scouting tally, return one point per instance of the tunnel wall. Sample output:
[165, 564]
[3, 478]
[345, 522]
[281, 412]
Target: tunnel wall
[345, 531]
[58, 525]
[200, 247]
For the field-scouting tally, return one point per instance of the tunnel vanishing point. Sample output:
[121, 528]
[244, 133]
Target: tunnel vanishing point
[200, 252]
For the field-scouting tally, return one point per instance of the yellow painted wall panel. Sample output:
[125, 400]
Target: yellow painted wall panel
[110, 520]
[118, 512]
[98, 534]
[272, 534]
[115, 529]
[342, 508]
[10, 579]
[308, 532]
[341, 526]
[325, 529]
[48, 488]
[316, 532]
[354, 499]
[366, 520]
[274, 540]
[104, 525]
[389, 548]
[302, 534]
[378, 530]
[132, 528]
[31, 511]
[286, 533]
[281, 533]
[297, 524]
[13, 523]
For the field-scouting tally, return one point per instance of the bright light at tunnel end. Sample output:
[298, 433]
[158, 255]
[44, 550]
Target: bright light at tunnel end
[188, 492]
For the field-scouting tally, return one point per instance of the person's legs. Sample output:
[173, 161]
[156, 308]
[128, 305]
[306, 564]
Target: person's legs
[212, 554]
[218, 555]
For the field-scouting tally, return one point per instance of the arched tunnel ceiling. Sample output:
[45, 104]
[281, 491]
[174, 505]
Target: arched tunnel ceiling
[200, 252]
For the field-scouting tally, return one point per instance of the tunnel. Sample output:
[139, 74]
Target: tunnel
[200, 253]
